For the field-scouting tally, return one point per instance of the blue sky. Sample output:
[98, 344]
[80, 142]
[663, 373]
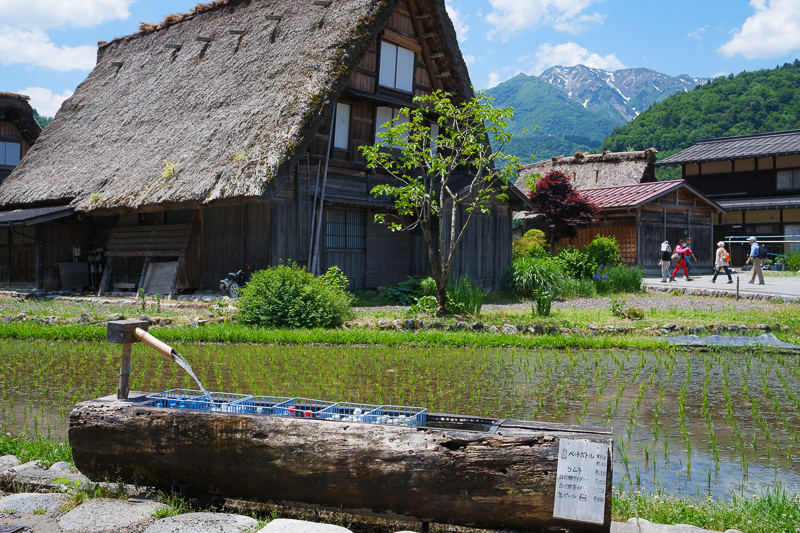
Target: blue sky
[47, 47]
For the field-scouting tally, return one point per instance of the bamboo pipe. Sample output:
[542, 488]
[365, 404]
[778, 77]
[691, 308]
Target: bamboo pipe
[147, 339]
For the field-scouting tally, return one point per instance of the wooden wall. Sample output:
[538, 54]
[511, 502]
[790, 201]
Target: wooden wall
[58, 239]
[388, 258]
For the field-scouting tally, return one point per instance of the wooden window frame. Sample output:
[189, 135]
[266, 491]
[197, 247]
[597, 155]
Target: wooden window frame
[350, 229]
[390, 56]
[3, 143]
[343, 121]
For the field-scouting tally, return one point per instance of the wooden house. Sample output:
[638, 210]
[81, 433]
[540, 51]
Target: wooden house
[755, 179]
[18, 131]
[229, 136]
[641, 216]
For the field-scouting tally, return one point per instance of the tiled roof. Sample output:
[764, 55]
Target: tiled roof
[630, 195]
[745, 146]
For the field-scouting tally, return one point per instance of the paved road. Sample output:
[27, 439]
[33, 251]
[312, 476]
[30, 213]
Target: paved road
[774, 284]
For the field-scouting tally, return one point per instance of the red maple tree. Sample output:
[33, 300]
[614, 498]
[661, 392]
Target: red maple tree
[565, 209]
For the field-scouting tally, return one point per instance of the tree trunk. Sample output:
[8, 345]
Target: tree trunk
[503, 478]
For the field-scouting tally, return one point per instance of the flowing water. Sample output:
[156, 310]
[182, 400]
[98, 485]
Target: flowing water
[184, 364]
[685, 422]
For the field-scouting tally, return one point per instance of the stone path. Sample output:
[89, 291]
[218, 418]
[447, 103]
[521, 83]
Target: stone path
[53, 512]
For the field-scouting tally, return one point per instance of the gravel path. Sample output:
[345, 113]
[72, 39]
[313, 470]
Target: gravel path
[648, 302]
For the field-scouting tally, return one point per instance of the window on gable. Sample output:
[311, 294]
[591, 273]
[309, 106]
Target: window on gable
[345, 230]
[341, 131]
[397, 67]
[9, 153]
[384, 115]
[788, 179]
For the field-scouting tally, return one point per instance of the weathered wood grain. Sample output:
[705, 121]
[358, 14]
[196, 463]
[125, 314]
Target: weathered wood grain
[502, 479]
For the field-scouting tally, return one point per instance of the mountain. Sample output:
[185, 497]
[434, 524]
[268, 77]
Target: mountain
[564, 126]
[750, 102]
[575, 108]
[43, 121]
[618, 95]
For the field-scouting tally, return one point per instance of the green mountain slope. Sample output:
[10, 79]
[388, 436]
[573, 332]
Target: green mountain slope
[751, 102]
[537, 103]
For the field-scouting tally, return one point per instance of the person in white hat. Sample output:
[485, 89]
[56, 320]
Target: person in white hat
[722, 260]
[757, 261]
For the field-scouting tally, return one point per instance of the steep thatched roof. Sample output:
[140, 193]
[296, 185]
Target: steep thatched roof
[211, 107]
[609, 169]
[15, 108]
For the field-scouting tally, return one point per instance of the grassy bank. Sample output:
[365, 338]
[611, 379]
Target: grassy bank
[237, 333]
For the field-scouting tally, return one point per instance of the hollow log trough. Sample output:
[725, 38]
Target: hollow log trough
[506, 477]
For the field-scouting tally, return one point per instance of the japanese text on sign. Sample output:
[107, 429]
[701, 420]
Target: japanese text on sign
[581, 481]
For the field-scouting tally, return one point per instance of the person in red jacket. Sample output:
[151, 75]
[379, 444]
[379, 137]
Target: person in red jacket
[680, 251]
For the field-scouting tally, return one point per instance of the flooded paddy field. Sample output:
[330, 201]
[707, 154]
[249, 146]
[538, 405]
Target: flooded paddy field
[685, 422]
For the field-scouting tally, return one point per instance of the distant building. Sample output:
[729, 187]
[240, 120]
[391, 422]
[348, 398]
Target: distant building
[18, 130]
[754, 178]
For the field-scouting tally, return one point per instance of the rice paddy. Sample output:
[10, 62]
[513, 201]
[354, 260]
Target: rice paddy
[685, 422]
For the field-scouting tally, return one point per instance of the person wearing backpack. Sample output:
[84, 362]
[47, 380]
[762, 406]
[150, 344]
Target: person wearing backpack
[756, 253]
[666, 260]
[722, 260]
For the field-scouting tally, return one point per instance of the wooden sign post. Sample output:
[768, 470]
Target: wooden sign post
[122, 332]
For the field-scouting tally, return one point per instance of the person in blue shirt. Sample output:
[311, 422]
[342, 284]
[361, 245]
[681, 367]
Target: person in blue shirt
[688, 255]
[757, 261]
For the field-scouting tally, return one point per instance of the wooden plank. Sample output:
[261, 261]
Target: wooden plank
[106, 276]
[160, 277]
[501, 479]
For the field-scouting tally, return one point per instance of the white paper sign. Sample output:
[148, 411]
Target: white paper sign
[581, 481]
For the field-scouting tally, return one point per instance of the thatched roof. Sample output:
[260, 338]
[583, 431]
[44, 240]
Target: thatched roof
[609, 169]
[15, 108]
[211, 107]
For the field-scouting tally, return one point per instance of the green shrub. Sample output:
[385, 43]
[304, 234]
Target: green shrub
[579, 287]
[792, 261]
[427, 287]
[617, 307]
[529, 275]
[425, 305]
[603, 251]
[577, 263]
[532, 244]
[542, 303]
[465, 296]
[288, 296]
[620, 278]
[404, 293]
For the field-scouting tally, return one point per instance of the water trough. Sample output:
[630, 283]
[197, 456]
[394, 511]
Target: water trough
[356, 458]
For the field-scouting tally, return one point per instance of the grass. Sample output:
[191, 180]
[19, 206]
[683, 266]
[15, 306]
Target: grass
[765, 511]
[37, 448]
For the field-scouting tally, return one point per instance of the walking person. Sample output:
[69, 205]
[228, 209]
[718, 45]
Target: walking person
[722, 260]
[755, 253]
[679, 259]
[666, 261]
[688, 255]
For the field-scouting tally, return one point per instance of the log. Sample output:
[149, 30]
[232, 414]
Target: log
[504, 478]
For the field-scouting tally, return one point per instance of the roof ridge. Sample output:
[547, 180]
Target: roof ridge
[748, 136]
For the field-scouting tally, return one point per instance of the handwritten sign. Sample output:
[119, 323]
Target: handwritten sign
[581, 481]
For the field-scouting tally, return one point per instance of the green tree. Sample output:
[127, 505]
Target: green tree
[440, 174]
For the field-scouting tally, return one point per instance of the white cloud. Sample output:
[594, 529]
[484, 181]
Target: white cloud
[34, 47]
[494, 80]
[46, 14]
[773, 30]
[459, 21]
[24, 38]
[469, 60]
[509, 16]
[44, 101]
[698, 33]
[571, 54]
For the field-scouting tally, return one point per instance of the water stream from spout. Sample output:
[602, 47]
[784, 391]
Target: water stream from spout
[183, 363]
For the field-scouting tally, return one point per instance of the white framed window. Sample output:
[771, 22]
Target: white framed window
[341, 130]
[9, 153]
[788, 179]
[397, 67]
[384, 115]
[434, 136]
[345, 230]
